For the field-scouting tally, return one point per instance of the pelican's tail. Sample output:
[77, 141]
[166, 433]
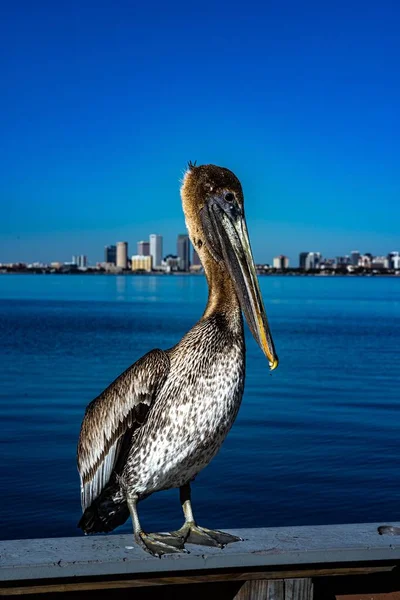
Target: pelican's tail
[105, 513]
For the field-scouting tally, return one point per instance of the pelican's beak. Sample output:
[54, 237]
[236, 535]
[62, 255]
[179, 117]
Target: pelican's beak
[226, 231]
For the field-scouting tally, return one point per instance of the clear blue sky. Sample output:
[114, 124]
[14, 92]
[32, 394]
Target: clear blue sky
[103, 103]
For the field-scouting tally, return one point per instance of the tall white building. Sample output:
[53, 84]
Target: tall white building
[393, 260]
[80, 261]
[122, 255]
[156, 248]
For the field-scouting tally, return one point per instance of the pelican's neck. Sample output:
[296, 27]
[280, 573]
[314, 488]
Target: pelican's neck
[222, 298]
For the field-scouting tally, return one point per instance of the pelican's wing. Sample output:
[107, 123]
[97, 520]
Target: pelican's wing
[120, 409]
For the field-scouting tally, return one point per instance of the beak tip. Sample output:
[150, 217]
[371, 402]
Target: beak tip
[274, 363]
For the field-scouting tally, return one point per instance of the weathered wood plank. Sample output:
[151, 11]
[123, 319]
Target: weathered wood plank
[110, 556]
[275, 590]
[262, 590]
[253, 590]
[298, 589]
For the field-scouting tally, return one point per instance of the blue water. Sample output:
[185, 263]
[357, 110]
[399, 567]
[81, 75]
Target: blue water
[315, 442]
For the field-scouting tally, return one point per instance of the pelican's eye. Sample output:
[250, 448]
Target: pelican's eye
[229, 197]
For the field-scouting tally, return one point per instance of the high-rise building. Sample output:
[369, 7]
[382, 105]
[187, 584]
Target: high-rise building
[309, 260]
[355, 257]
[281, 262]
[122, 255]
[393, 260]
[314, 261]
[141, 262]
[302, 259]
[196, 262]
[143, 248]
[80, 260]
[183, 251]
[110, 254]
[156, 248]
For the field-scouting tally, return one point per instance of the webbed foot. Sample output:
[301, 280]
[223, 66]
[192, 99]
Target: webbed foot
[193, 534]
[158, 544]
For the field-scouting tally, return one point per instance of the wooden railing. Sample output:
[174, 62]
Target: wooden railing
[287, 563]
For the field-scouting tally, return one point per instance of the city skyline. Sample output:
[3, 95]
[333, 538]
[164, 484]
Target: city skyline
[96, 135]
[150, 255]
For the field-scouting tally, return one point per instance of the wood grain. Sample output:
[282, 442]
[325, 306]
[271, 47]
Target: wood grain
[280, 589]
[298, 589]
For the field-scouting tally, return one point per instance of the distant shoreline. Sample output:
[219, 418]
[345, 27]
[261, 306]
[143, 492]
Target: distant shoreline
[289, 273]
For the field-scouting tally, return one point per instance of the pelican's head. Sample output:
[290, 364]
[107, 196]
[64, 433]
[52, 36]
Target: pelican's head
[213, 204]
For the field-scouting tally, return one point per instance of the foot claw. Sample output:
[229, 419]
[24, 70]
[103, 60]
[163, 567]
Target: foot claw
[193, 534]
[159, 544]
[222, 537]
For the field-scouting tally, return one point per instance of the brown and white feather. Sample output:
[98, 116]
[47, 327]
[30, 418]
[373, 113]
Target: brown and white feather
[121, 409]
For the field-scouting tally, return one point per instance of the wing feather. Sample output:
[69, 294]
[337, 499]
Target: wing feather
[119, 410]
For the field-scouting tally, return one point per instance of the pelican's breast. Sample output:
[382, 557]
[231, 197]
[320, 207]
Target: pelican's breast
[194, 411]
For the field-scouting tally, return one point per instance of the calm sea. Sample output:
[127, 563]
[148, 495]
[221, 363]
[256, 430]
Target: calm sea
[315, 442]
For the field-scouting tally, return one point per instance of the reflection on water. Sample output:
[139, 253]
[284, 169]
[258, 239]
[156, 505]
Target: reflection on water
[121, 283]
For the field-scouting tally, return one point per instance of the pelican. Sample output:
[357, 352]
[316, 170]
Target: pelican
[164, 419]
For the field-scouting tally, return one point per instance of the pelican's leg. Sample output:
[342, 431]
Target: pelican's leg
[192, 533]
[154, 543]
